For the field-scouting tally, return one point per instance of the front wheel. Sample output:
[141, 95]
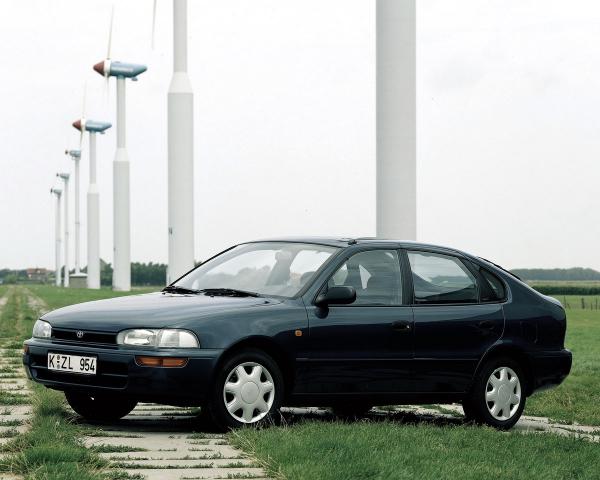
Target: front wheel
[498, 394]
[101, 407]
[248, 390]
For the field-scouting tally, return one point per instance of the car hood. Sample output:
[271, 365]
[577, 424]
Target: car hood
[152, 310]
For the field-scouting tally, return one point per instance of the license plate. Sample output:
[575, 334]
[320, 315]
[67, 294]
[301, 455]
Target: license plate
[72, 363]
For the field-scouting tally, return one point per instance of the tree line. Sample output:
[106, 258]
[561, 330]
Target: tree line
[557, 274]
[142, 274]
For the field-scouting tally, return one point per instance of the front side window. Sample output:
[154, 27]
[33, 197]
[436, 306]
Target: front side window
[374, 274]
[441, 279]
[267, 268]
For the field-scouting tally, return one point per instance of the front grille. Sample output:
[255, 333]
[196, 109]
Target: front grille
[88, 337]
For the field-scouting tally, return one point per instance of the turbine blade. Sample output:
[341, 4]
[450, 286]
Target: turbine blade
[83, 102]
[153, 22]
[110, 31]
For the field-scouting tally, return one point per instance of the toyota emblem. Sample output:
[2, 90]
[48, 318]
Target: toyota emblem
[79, 334]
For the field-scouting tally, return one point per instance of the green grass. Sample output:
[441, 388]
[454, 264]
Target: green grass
[11, 423]
[388, 450]
[51, 448]
[578, 398]
[16, 318]
[116, 449]
[10, 398]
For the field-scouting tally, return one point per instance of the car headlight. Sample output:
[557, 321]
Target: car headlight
[164, 338]
[42, 329]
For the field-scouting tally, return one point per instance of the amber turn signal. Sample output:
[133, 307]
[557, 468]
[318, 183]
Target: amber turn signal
[25, 349]
[167, 362]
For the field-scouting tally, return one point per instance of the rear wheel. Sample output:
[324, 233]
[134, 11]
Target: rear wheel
[498, 394]
[248, 390]
[101, 407]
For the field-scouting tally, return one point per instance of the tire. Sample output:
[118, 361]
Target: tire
[468, 410]
[251, 381]
[351, 410]
[497, 397]
[101, 407]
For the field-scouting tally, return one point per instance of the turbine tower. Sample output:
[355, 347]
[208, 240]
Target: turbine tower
[93, 202]
[181, 152]
[65, 178]
[121, 196]
[76, 157]
[57, 240]
[396, 119]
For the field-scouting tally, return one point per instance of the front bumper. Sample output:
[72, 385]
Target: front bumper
[118, 372]
[549, 369]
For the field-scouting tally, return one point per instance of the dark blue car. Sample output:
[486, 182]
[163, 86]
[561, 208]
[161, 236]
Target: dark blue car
[345, 323]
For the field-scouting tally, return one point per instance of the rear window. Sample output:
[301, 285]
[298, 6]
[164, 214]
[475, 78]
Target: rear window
[496, 287]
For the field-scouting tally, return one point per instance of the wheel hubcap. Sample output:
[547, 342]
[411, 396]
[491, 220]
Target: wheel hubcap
[503, 393]
[249, 392]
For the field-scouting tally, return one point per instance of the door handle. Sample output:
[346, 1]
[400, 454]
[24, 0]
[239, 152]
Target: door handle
[402, 325]
[487, 324]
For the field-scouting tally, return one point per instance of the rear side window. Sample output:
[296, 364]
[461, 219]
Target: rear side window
[441, 279]
[496, 287]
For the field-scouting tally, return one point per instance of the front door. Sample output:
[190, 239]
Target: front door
[364, 347]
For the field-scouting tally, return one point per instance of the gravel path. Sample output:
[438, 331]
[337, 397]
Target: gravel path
[526, 424]
[160, 442]
[15, 395]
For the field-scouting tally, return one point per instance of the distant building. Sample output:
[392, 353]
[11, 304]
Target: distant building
[38, 275]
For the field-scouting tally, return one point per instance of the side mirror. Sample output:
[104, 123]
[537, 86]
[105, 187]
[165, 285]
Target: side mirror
[336, 296]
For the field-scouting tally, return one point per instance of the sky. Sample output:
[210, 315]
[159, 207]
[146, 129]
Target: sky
[508, 129]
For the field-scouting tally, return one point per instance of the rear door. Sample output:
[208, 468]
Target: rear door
[365, 347]
[456, 320]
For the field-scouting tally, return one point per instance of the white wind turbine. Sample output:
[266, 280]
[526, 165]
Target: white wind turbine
[65, 179]
[93, 200]
[181, 150]
[57, 239]
[76, 157]
[396, 119]
[121, 195]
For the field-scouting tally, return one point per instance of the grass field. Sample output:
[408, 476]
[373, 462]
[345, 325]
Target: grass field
[365, 449]
[60, 297]
[578, 398]
[51, 449]
[390, 450]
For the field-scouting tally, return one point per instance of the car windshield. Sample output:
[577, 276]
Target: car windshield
[266, 268]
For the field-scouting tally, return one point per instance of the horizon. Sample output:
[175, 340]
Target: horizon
[285, 130]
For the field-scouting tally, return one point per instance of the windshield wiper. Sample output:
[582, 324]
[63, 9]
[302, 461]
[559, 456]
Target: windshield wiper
[228, 292]
[177, 289]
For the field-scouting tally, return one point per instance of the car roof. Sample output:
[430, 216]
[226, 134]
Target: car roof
[343, 242]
